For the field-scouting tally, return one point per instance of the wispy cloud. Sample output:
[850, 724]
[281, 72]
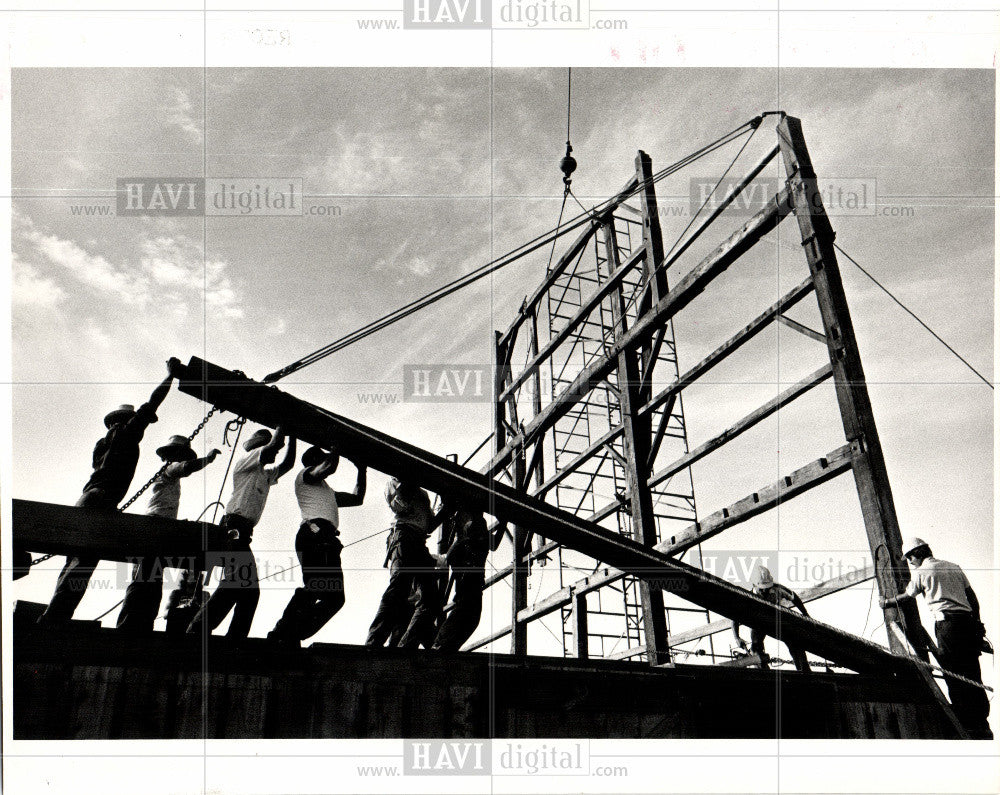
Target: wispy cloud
[180, 114]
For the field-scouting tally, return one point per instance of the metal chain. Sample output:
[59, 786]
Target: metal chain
[163, 468]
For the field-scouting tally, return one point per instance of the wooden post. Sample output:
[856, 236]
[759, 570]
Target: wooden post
[870, 474]
[636, 434]
[581, 636]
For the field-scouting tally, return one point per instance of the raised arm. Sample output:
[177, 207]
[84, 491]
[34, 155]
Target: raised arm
[198, 464]
[270, 450]
[289, 460]
[156, 398]
[350, 499]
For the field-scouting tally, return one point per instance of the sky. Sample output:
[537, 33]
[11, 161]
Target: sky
[434, 171]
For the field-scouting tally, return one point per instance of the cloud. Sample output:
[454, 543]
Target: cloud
[179, 114]
[31, 289]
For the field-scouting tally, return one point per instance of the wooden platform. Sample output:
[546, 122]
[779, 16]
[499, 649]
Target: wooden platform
[90, 683]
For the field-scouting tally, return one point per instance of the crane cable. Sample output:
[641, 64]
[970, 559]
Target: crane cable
[502, 261]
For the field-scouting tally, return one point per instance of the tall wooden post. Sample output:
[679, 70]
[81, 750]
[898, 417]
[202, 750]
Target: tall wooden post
[519, 575]
[870, 474]
[637, 436]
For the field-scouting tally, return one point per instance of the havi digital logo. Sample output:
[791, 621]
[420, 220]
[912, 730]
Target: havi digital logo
[447, 14]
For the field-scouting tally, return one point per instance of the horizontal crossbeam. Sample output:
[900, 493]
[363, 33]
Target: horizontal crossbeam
[111, 535]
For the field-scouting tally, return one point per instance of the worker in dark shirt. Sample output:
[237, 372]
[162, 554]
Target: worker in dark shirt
[765, 587]
[412, 572]
[466, 555]
[114, 461]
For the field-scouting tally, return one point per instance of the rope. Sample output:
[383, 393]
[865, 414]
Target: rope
[569, 96]
[934, 334]
[498, 263]
[237, 424]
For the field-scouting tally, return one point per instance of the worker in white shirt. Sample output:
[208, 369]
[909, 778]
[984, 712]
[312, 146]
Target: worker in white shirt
[957, 626]
[142, 597]
[318, 547]
[239, 588]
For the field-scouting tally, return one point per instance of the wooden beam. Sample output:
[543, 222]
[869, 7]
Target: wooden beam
[733, 344]
[581, 636]
[111, 535]
[789, 487]
[366, 446]
[743, 425]
[636, 432]
[811, 594]
[687, 289]
[804, 330]
[870, 474]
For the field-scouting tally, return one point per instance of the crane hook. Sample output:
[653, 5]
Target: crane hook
[567, 165]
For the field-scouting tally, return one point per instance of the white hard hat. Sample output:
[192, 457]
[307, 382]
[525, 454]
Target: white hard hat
[762, 578]
[912, 543]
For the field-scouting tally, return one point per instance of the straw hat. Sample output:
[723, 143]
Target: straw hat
[121, 414]
[177, 449]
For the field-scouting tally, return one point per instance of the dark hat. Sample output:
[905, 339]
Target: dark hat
[121, 414]
[259, 438]
[177, 449]
[315, 455]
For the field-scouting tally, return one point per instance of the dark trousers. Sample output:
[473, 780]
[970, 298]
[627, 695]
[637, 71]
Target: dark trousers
[322, 593]
[959, 641]
[757, 647]
[185, 601]
[142, 597]
[239, 588]
[76, 572]
[411, 570]
[462, 620]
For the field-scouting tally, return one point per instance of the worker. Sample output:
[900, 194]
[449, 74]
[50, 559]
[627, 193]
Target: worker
[412, 568]
[466, 555]
[114, 459]
[957, 626]
[239, 588]
[318, 547]
[765, 587]
[142, 597]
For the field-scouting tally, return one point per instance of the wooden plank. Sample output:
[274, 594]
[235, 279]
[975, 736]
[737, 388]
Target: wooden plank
[743, 425]
[366, 446]
[733, 344]
[687, 289]
[870, 474]
[790, 486]
[111, 535]
[804, 330]
[818, 591]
